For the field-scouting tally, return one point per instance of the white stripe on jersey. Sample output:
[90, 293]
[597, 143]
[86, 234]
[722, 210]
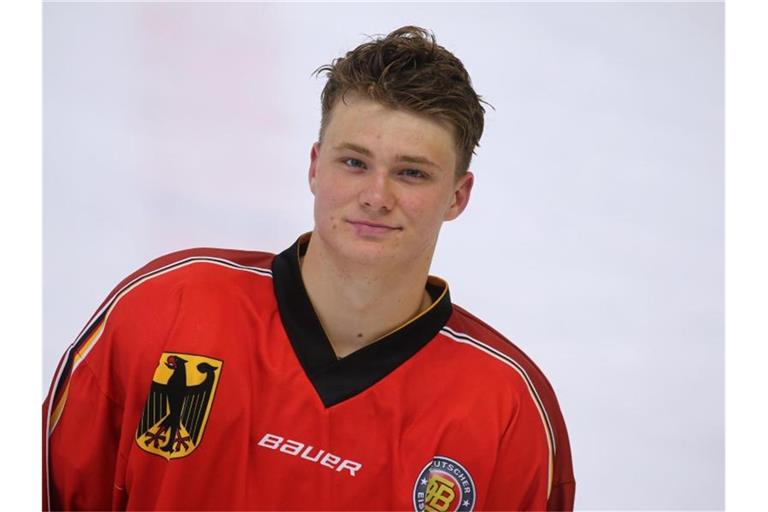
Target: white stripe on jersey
[469, 340]
[106, 308]
[504, 358]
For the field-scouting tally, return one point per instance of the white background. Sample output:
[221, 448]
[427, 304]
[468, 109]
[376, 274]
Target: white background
[594, 238]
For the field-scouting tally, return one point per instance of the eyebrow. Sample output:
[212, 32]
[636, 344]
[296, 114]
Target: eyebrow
[400, 158]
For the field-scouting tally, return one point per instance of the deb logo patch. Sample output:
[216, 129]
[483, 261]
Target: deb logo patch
[443, 485]
[178, 405]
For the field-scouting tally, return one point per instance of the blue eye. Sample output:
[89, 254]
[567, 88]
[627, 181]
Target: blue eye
[354, 162]
[413, 173]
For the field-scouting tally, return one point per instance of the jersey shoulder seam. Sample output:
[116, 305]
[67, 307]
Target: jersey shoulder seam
[511, 360]
[89, 336]
[513, 351]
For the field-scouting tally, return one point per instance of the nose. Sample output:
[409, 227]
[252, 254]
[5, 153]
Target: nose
[377, 194]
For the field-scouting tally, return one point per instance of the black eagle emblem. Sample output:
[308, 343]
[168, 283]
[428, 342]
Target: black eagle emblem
[176, 412]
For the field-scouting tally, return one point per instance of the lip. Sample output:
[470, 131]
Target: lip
[367, 228]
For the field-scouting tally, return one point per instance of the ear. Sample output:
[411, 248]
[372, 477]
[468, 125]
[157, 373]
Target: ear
[462, 189]
[313, 165]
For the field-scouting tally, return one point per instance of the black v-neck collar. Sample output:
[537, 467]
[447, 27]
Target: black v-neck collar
[335, 379]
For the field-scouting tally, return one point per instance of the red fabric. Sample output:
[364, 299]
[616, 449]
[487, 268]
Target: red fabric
[452, 399]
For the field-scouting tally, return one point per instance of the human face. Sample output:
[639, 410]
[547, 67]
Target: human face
[384, 182]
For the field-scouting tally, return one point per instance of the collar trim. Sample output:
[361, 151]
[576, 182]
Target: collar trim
[336, 380]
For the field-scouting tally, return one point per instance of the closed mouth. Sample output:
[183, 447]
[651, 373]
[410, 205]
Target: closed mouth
[372, 224]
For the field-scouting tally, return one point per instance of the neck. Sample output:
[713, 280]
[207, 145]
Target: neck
[360, 303]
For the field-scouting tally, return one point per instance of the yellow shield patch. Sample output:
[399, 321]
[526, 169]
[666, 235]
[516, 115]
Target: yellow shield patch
[178, 405]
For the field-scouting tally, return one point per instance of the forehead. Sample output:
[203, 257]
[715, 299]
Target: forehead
[363, 121]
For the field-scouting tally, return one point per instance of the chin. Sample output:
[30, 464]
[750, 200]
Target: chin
[368, 250]
[362, 251]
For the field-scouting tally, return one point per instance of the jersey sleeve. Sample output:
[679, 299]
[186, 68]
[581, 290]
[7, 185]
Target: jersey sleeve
[534, 468]
[82, 436]
[83, 414]
[532, 462]
[98, 393]
[562, 496]
[521, 474]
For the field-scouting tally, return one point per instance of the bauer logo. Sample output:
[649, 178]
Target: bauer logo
[178, 405]
[443, 485]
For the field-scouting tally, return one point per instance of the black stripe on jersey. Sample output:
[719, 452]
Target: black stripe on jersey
[65, 368]
[74, 348]
[71, 352]
[487, 348]
[336, 380]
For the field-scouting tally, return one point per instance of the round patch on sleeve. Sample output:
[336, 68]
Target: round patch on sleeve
[443, 485]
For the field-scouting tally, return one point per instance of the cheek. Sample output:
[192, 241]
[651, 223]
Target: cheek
[427, 213]
[329, 200]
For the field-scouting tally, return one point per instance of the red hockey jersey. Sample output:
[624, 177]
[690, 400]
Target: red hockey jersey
[205, 382]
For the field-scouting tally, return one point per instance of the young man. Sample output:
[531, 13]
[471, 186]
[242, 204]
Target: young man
[335, 375]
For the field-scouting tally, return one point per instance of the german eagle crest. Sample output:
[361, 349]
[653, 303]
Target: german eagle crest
[178, 405]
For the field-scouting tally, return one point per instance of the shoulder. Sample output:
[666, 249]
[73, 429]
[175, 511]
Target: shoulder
[186, 268]
[500, 361]
[505, 360]
[156, 289]
[205, 257]
[489, 345]
[135, 317]
[153, 291]
[465, 328]
[190, 266]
